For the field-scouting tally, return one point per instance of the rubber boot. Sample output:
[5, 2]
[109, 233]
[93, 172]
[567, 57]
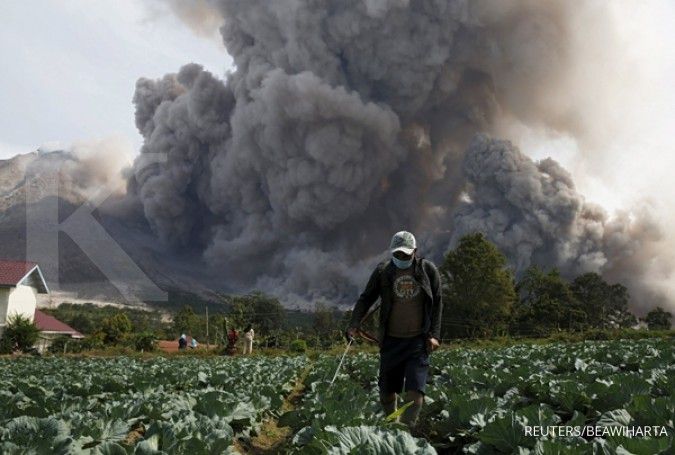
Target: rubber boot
[388, 406]
[410, 415]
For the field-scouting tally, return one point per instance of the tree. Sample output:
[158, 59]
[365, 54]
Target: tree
[478, 291]
[265, 312]
[619, 314]
[322, 320]
[546, 303]
[20, 332]
[82, 324]
[345, 319]
[325, 324]
[594, 295]
[605, 305]
[185, 321]
[218, 329]
[116, 327]
[658, 319]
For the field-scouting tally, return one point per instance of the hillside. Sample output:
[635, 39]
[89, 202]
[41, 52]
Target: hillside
[73, 276]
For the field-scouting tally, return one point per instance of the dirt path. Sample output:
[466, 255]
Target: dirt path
[271, 436]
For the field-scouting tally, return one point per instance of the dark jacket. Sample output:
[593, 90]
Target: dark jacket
[380, 285]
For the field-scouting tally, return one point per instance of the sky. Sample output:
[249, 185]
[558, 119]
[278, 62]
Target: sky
[70, 68]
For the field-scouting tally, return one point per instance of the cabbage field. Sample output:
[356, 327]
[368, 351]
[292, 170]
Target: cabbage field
[478, 401]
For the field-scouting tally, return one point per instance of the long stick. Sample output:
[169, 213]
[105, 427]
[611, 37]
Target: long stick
[370, 312]
[340, 364]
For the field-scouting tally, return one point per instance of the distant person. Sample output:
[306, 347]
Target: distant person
[410, 323]
[232, 337]
[248, 339]
[182, 342]
[193, 344]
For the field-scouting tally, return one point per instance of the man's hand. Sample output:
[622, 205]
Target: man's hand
[432, 344]
[350, 333]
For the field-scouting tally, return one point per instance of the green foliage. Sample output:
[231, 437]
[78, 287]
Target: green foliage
[323, 318]
[89, 343]
[478, 287]
[87, 318]
[605, 305]
[185, 321]
[266, 313]
[182, 405]
[546, 304]
[368, 439]
[20, 332]
[144, 341]
[658, 319]
[115, 328]
[479, 401]
[298, 319]
[6, 345]
[298, 346]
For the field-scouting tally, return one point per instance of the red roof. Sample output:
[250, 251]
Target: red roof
[11, 272]
[47, 323]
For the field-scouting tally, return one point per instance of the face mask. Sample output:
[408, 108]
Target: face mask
[402, 264]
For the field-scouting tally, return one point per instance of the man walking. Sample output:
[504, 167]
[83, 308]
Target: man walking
[409, 325]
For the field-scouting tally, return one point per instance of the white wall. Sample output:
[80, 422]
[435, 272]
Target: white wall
[22, 300]
[4, 298]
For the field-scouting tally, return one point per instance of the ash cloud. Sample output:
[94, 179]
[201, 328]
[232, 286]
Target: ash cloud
[533, 212]
[345, 121]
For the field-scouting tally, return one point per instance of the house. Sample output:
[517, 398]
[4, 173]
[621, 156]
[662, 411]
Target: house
[51, 329]
[20, 283]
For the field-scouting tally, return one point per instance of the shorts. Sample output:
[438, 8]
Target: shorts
[404, 362]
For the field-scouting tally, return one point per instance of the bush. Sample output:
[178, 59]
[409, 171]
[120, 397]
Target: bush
[20, 332]
[116, 327]
[95, 341]
[5, 345]
[566, 337]
[298, 346]
[57, 345]
[74, 346]
[145, 341]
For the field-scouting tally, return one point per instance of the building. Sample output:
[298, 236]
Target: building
[51, 329]
[20, 283]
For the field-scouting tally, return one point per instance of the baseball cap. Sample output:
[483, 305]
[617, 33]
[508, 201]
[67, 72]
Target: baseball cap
[403, 241]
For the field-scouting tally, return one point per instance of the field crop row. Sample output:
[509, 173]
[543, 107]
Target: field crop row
[185, 405]
[479, 401]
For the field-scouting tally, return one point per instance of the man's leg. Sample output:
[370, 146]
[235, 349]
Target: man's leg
[390, 381]
[416, 370]
[388, 401]
[410, 415]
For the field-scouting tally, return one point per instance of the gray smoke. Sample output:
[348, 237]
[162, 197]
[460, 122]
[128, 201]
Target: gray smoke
[532, 211]
[345, 121]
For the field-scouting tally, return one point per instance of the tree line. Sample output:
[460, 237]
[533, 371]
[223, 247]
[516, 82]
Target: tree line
[483, 298]
[275, 325]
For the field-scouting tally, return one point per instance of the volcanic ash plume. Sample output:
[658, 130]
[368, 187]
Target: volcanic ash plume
[532, 211]
[345, 121]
